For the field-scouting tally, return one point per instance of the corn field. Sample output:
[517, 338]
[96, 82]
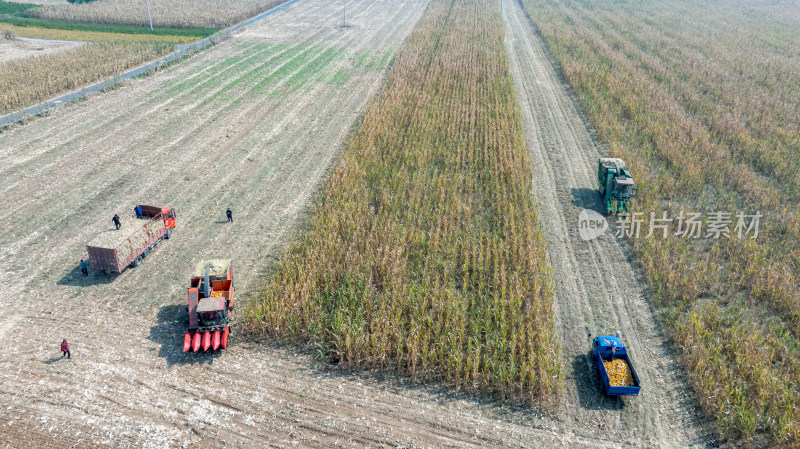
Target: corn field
[165, 13]
[92, 36]
[701, 100]
[424, 255]
[33, 79]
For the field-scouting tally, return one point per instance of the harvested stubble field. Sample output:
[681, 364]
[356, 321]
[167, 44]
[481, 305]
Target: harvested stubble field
[166, 13]
[425, 255]
[701, 100]
[15, 49]
[234, 135]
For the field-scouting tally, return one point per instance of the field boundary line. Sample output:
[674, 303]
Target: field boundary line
[181, 51]
[59, 41]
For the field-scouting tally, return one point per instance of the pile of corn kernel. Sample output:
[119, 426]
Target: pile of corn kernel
[619, 374]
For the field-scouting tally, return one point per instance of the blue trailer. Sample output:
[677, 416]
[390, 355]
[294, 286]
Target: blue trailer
[608, 348]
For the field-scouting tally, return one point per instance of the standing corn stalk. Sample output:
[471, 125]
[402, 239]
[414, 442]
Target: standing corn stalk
[425, 255]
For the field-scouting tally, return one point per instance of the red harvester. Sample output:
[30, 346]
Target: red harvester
[210, 306]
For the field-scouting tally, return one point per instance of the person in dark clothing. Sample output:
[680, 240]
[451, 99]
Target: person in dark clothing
[229, 214]
[116, 221]
[84, 267]
[65, 348]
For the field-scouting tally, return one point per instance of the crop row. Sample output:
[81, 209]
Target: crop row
[424, 253]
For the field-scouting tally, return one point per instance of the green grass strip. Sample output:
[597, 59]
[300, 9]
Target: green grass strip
[124, 29]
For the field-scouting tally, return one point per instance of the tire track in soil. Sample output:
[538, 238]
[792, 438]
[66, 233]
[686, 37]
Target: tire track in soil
[597, 289]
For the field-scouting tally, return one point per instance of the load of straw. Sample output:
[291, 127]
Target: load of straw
[131, 237]
[619, 373]
[218, 268]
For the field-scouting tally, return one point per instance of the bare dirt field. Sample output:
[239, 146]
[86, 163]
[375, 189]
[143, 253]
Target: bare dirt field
[254, 124]
[17, 49]
[598, 291]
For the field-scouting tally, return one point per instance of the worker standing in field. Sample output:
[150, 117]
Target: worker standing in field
[116, 221]
[84, 267]
[229, 214]
[65, 348]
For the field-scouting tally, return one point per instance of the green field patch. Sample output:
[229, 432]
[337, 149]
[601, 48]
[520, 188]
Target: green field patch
[373, 61]
[361, 58]
[269, 65]
[259, 72]
[170, 85]
[15, 8]
[339, 78]
[387, 59]
[313, 69]
[220, 73]
[271, 69]
[309, 66]
[103, 28]
[293, 65]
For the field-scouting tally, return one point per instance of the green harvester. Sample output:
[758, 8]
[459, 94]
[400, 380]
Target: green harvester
[615, 184]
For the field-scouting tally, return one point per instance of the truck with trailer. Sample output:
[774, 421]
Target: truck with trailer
[115, 249]
[613, 363]
[210, 306]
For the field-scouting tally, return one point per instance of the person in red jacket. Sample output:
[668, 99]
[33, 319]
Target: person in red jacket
[65, 348]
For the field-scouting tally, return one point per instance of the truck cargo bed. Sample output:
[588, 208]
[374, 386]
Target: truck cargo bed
[113, 250]
[608, 349]
[619, 390]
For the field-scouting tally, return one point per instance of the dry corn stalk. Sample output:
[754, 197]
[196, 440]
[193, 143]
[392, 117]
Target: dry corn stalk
[619, 374]
[170, 13]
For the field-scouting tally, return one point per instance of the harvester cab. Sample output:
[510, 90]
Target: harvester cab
[615, 184]
[210, 306]
[211, 311]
